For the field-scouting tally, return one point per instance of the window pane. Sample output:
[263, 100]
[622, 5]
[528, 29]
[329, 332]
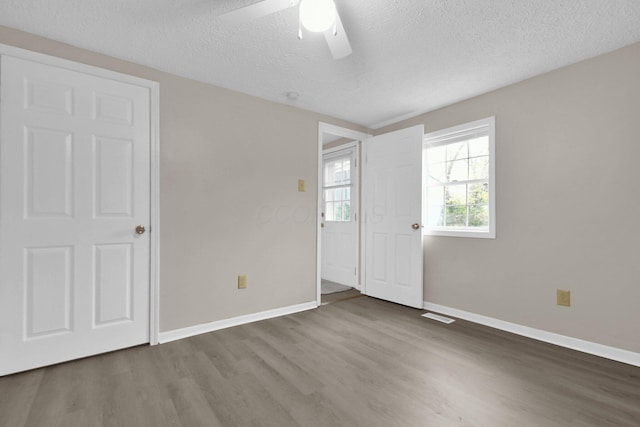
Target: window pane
[346, 193]
[478, 194]
[479, 168]
[457, 180]
[336, 194]
[456, 216]
[337, 204]
[435, 216]
[328, 196]
[328, 171]
[337, 172]
[456, 195]
[437, 173]
[457, 151]
[436, 154]
[344, 174]
[458, 170]
[329, 209]
[479, 146]
[435, 196]
[338, 211]
[346, 211]
[478, 216]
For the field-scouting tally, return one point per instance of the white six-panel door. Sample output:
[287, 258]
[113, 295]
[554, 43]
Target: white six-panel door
[393, 200]
[74, 185]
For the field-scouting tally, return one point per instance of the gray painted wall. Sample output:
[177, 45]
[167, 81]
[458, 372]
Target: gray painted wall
[568, 205]
[230, 165]
[567, 149]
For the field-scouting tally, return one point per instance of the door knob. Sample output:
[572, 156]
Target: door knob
[415, 226]
[140, 229]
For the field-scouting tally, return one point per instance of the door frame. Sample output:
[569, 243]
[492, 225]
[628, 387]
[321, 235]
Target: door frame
[356, 136]
[154, 159]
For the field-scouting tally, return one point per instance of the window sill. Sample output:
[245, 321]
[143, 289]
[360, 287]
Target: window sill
[484, 234]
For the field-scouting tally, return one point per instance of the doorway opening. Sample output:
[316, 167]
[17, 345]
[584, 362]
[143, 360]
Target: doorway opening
[389, 254]
[338, 264]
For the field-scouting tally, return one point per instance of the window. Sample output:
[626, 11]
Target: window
[459, 180]
[337, 188]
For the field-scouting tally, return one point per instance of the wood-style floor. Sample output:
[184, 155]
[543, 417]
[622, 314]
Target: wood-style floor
[358, 362]
[340, 296]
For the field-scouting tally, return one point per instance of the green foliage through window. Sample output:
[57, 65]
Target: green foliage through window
[457, 186]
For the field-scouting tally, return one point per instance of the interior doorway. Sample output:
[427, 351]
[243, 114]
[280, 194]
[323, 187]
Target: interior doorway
[389, 254]
[339, 222]
[340, 197]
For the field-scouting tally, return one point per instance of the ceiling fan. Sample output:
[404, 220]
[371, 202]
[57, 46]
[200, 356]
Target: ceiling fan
[318, 16]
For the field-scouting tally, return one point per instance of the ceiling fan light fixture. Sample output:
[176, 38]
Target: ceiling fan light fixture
[317, 15]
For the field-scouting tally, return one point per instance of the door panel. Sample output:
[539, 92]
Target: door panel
[114, 176]
[378, 258]
[48, 190]
[74, 184]
[113, 283]
[49, 308]
[393, 200]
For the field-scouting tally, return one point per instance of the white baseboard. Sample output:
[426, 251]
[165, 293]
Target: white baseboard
[613, 353]
[177, 334]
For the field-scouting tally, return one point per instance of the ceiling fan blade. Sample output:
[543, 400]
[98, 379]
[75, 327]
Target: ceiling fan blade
[257, 10]
[338, 41]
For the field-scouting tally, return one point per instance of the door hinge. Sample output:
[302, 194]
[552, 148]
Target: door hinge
[355, 271]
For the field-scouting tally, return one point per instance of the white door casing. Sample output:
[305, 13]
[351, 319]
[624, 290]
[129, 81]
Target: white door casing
[392, 189]
[340, 239]
[74, 184]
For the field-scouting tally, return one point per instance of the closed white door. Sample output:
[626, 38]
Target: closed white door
[74, 185]
[393, 199]
[339, 222]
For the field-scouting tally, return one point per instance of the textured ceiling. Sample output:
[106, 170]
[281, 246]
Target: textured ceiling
[410, 56]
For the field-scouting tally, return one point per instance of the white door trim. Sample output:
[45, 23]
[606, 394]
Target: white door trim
[363, 224]
[154, 220]
[345, 133]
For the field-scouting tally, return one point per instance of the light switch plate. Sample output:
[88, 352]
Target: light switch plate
[563, 297]
[242, 281]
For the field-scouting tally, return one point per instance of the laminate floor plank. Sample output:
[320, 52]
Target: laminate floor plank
[191, 405]
[223, 394]
[17, 393]
[354, 362]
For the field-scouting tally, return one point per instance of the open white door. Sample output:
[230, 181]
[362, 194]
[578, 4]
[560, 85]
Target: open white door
[74, 196]
[393, 199]
[339, 217]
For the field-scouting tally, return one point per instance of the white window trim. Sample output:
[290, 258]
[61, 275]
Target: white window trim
[449, 135]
